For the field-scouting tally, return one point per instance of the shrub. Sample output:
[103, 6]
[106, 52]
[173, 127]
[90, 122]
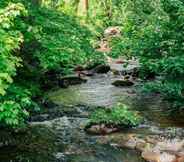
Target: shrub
[116, 116]
[34, 41]
[153, 32]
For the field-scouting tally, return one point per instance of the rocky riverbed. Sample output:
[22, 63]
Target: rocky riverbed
[58, 135]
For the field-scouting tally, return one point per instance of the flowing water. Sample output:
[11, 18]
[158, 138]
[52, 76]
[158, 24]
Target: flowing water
[63, 139]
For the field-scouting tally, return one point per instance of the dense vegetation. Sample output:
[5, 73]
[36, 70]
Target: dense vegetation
[37, 38]
[34, 41]
[153, 32]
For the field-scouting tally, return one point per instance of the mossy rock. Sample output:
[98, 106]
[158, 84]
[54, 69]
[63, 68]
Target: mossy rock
[111, 120]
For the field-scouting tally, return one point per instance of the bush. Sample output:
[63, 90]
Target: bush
[116, 116]
[34, 40]
[153, 32]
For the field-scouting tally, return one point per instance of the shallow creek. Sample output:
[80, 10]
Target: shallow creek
[62, 139]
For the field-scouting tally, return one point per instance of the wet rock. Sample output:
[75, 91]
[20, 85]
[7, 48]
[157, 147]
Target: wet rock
[141, 145]
[131, 143]
[125, 67]
[166, 157]
[41, 117]
[101, 69]
[82, 71]
[60, 156]
[179, 159]
[151, 156]
[100, 129]
[122, 83]
[64, 82]
[79, 68]
[85, 73]
[174, 145]
[180, 153]
[88, 73]
[112, 31]
[153, 148]
[158, 157]
[120, 61]
[115, 72]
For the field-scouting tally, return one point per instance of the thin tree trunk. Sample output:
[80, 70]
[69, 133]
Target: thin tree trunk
[83, 8]
[86, 5]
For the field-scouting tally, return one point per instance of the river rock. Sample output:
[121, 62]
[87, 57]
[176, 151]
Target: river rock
[174, 145]
[141, 145]
[180, 159]
[100, 129]
[151, 156]
[64, 82]
[79, 68]
[166, 157]
[102, 69]
[131, 143]
[60, 157]
[180, 153]
[122, 83]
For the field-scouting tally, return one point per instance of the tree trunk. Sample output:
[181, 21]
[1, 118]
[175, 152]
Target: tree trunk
[86, 5]
[83, 8]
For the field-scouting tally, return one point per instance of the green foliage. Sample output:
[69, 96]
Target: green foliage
[60, 41]
[153, 32]
[34, 41]
[11, 112]
[9, 41]
[116, 116]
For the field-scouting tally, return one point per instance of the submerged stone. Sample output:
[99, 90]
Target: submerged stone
[64, 82]
[122, 83]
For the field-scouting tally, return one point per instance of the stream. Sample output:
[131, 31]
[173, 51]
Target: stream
[62, 138]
